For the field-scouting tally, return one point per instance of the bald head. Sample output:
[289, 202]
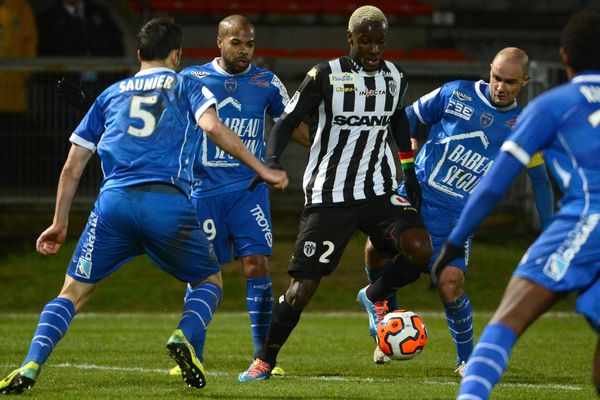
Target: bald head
[234, 22]
[513, 55]
[508, 75]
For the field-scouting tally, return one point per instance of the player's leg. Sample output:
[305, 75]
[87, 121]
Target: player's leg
[523, 302]
[176, 243]
[374, 265]
[100, 251]
[249, 225]
[323, 234]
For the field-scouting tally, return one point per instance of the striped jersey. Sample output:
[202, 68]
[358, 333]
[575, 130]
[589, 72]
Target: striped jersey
[243, 102]
[144, 128]
[349, 112]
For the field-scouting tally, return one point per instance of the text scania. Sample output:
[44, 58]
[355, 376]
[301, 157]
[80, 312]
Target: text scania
[263, 223]
[365, 120]
[469, 167]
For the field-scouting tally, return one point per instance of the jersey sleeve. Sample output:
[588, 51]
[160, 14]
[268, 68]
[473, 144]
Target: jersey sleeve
[89, 131]
[534, 130]
[307, 97]
[429, 108]
[279, 98]
[201, 98]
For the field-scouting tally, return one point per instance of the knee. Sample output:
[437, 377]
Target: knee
[372, 257]
[300, 292]
[255, 266]
[451, 285]
[415, 244]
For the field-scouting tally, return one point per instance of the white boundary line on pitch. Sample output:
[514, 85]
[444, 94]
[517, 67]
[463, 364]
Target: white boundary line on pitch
[311, 378]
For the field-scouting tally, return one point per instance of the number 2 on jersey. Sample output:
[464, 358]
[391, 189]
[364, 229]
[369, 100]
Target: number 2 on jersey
[136, 111]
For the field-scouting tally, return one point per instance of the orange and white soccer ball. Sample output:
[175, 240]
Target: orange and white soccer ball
[401, 335]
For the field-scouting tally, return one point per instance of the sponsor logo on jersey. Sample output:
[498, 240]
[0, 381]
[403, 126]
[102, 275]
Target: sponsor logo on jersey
[399, 201]
[461, 96]
[459, 109]
[200, 74]
[345, 89]
[364, 120]
[289, 107]
[230, 84]
[84, 263]
[591, 93]
[510, 123]
[486, 119]
[309, 248]
[558, 263]
[371, 92]
[342, 78]
[258, 80]
[461, 167]
[263, 223]
[392, 87]
[282, 90]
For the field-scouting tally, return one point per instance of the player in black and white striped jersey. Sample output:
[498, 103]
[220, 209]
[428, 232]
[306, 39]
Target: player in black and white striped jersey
[351, 103]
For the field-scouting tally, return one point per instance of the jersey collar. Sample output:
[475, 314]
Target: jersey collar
[154, 71]
[217, 67]
[483, 92]
[587, 76]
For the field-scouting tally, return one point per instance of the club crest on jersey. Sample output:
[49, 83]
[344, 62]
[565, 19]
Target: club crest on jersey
[400, 201]
[342, 78]
[510, 123]
[392, 87]
[486, 119]
[230, 85]
[309, 248]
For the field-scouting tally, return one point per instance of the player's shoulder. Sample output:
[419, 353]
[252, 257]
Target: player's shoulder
[392, 66]
[198, 71]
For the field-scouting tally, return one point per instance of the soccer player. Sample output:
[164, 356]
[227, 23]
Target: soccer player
[565, 124]
[352, 103]
[229, 213]
[144, 130]
[469, 121]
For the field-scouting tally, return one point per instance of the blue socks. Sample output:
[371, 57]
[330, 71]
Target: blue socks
[52, 326]
[373, 275]
[488, 362]
[459, 315]
[200, 305]
[259, 300]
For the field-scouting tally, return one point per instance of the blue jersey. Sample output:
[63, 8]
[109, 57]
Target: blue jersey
[564, 122]
[466, 133]
[243, 101]
[144, 128]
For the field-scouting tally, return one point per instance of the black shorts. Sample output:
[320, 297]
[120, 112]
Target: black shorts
[324, 232]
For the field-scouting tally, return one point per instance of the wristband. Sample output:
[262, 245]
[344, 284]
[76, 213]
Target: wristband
[407, 160]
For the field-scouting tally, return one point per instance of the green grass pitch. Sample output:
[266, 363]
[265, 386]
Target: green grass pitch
[328, 356]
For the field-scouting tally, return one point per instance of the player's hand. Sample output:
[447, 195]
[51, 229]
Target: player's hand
[77, 96]
[51, 240]
[273, 163]
[413, 189]
[448, 253]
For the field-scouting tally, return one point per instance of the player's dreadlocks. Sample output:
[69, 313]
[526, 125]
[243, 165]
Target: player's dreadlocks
[366, 13]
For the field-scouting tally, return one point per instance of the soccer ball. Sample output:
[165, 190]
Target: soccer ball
[401, 335]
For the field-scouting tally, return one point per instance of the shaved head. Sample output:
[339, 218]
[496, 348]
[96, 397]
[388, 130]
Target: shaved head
[233, 22]
[513, 55]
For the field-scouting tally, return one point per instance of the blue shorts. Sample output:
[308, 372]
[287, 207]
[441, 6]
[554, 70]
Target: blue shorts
[566, 258]
[241, 219]
[126, 223]
[439, 223]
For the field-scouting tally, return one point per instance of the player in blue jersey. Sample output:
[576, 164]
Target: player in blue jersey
[469, 121]
[144, 131]
[229, 213]
[564, 123]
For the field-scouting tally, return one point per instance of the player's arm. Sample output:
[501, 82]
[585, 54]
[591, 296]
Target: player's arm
[52, 238]
[400, 129]
[542, 188]
[301, 135]
[230, 142]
